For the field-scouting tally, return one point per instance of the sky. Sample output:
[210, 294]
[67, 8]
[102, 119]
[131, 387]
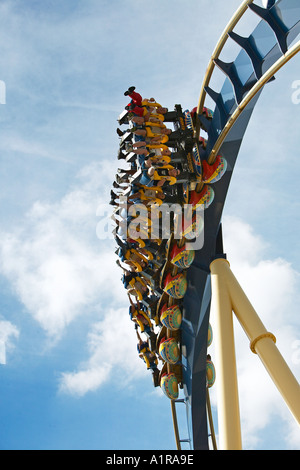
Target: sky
[70, 376]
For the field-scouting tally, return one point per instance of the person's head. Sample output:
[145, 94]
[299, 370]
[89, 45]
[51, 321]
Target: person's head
[132, 308]
[162, 110]
[174, 172]
[151, 171]
[148, 162]
[141, 287]
[137, 120]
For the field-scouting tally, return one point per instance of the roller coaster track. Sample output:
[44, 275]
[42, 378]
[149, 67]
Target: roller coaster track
[262, 55]
[216, 53]
[256, 88]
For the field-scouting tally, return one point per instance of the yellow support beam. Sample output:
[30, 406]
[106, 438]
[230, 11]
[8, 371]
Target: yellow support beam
[175, 425]
[228, 296]
[210, 420]
[227, 384]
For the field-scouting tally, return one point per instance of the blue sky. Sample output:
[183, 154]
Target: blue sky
[70, 375]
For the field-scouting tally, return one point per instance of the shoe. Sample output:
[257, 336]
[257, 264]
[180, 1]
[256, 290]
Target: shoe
[121, 179]
[113, 195]
[151, 340]
[129, 91]
[155, 377]
[128, 147]
[121, 155]
[120, 133]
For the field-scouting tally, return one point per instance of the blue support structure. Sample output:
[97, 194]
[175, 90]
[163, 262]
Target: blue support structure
[279, 26]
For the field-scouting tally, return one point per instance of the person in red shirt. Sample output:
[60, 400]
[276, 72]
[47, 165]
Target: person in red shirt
[136, 98]
[135, 105]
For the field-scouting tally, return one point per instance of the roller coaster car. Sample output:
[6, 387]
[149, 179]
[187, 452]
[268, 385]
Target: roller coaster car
[124, 117]
[165, 332]
[171, 317]
[181, 257]
[169, 351]
[208, 113]
[203, 119]
[205, 197]
[213, 173]
[169, 385]
[171, 380]
[175, 286]
[192, 226]
[210, 372]
[209, 335]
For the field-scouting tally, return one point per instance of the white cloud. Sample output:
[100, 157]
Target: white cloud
[61, 271]
[16, 144]
[271, 286]
[7, 332]
[113, 356]
[56, 264]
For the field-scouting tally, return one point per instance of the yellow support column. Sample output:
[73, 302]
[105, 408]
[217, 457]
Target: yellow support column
[262, 342]
[227, 388]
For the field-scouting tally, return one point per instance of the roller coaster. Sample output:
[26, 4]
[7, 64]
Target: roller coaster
[168, 199]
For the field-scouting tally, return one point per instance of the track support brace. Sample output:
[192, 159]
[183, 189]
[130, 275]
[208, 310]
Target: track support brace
[228, 297]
